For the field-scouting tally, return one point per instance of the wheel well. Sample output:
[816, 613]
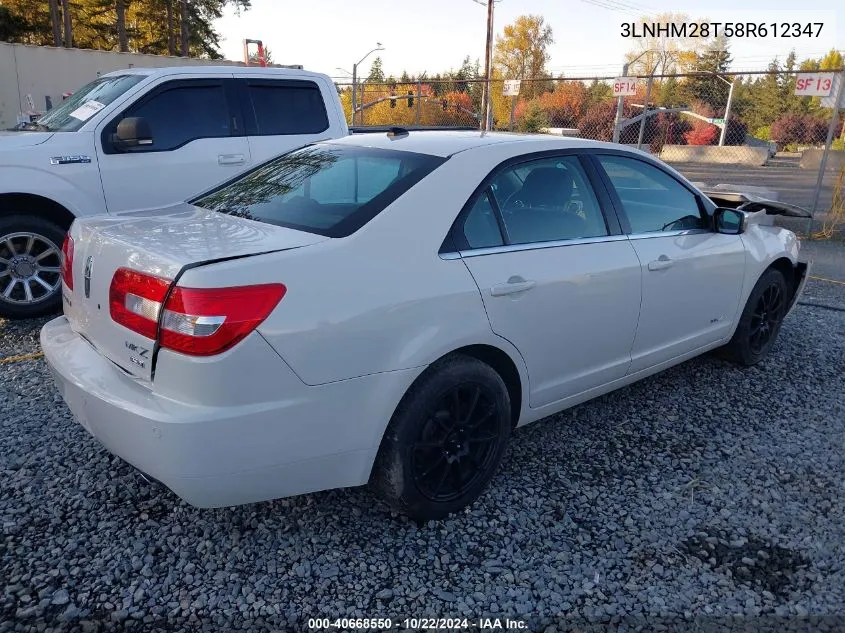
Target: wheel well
[786, 268]
[504, 366]
[39, 206]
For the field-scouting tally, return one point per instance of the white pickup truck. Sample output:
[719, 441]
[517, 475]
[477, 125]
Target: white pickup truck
[141, 138]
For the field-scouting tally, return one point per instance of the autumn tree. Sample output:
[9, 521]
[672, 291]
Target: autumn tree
[522, 52]
[653, 55]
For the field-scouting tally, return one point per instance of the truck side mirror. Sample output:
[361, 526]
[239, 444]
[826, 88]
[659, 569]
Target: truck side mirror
[132, 132]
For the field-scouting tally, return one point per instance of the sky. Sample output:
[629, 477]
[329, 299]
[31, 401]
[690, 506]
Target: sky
[435, 35]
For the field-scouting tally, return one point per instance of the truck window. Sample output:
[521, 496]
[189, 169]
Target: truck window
[183, 114]
[85, 102]
[285, 107]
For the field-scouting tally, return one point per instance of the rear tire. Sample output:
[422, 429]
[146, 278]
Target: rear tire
[30, 258]
[761, 319]
[445, 441]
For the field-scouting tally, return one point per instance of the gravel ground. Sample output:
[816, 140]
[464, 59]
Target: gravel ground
[704, 492]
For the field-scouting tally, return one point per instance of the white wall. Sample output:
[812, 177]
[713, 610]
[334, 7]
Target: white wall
[44, 70]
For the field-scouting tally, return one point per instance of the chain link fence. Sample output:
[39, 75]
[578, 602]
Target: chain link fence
[748, 129]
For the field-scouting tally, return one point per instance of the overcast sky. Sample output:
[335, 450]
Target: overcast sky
[436, 35]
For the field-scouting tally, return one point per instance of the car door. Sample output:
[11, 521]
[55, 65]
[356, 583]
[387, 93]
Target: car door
[692, 275]
[281, 114]
[557, 278]
[198, 142]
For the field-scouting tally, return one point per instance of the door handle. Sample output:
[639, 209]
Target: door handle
[514, 285]
[661, 263]
[231, 159]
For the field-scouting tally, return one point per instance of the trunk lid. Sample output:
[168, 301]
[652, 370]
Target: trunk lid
[162, 243]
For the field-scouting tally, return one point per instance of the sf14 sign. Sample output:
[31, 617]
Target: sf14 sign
[814, 84]
[624, 86]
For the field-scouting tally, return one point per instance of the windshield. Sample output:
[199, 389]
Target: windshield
[327, 189]
[85, 103]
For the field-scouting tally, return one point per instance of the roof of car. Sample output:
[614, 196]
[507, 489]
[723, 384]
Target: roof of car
[446, 143]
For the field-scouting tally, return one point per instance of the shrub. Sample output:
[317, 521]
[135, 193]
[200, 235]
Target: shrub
[800, 129]
[702, 134]
[533, 119]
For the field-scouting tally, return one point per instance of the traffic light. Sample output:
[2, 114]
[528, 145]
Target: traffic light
[392, 100]
[410, 98]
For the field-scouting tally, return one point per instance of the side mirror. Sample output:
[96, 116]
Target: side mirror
[133, 132]
[729, 221]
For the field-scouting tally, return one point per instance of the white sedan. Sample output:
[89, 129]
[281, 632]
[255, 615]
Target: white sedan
[386, 308]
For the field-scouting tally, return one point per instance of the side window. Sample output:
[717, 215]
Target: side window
[651, 198]
[546, 200]
[481, 229]
[287, 107]
[183, 114]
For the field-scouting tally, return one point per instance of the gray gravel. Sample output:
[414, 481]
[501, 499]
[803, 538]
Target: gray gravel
[706, 491]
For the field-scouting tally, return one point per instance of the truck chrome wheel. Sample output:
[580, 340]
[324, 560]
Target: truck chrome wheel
[30, 268]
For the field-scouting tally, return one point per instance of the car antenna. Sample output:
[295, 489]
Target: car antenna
[396, 132]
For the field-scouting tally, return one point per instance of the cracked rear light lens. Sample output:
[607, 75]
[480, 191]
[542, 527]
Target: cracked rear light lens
[194, 321]
[67, 261]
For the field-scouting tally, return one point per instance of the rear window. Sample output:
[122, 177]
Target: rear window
[287, 107]
[331, 190]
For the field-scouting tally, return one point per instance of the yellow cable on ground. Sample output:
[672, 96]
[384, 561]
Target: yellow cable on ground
[830, 281]
[21, 357]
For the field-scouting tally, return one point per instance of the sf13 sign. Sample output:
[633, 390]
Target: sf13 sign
[624, 86]
[814, 84]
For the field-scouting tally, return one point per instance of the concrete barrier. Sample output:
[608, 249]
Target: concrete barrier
[730, 154]
[812, 159]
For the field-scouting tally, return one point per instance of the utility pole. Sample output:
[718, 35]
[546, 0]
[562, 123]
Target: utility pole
[487, 109]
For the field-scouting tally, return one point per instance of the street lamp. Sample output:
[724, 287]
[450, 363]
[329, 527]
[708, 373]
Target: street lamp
[378, 47]
[727, 107]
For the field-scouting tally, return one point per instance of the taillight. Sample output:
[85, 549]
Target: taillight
[67, 261]
[195, 321]
[206, 321]
[135, 300]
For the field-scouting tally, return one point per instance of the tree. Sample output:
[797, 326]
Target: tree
[565, 105]
[120, 11]
[376, 75]
[12, 26]
[151, 26]
[522, 51]
[665, 55]
[705, 87]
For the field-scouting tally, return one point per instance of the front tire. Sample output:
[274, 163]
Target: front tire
[445, 441]
[30, 261]
[761, 319]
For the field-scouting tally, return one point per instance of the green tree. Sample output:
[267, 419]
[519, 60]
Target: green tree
[522, 52]
[143, 26]
[13, 27]
[705, 87]
[376, 72]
